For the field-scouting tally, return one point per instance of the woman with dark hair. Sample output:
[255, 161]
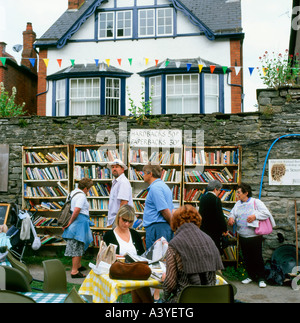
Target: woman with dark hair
[192, 257]
[246, 214]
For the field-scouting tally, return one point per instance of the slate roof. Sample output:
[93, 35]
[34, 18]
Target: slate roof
[217, 16]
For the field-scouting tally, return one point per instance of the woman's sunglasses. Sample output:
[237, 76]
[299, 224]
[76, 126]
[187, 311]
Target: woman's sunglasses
[127, 221]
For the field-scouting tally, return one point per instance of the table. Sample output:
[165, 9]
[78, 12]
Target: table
[47, 297]
[106, 290]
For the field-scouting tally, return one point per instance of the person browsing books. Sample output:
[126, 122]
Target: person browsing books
[210, 208]
[78, 233]
[158, 206]
[192, 257]
[121, 191]
[128, 240]
[246, 213]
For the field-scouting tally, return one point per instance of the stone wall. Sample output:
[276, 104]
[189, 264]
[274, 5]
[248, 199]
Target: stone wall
[279, 114]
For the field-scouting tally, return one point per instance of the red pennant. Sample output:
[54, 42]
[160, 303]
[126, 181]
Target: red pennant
[156, 62]
[59, 61]
[119, 61]
[212, 68]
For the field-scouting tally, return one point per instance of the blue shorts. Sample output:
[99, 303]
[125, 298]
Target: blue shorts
[157, 230]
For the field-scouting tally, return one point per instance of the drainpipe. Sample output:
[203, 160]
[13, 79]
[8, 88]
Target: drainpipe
[242, 89]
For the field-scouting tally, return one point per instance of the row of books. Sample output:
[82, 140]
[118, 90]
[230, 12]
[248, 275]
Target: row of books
[51, 205]
[141, 156]
[223, 175]
[99, 190]
[230, 253]
[47, 173]
[139, 206]
[216, 157]
[193, 194]
[44, 191]
[32, 157]
[135, 175]
[138, 156]
[98, 204]
[99, 221]
[227, 195]
[142, 194]
[93, 171]
[45, 222]
[176, 192]
[138, 224]
[46, 238]
[97, 155]
[171, 175]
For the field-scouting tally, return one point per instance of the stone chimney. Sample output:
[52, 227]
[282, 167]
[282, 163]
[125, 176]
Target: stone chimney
[75, 4]
[29, 37]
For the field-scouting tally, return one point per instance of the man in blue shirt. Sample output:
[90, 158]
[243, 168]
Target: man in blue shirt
[158, 206]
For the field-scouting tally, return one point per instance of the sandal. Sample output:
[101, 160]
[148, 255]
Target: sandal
[82, 268]
[78, 275]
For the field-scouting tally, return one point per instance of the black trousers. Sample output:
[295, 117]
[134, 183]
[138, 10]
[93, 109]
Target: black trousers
[252, 254]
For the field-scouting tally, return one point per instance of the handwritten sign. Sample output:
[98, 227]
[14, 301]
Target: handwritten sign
[4, 211]
[156, 138]
[284, 171]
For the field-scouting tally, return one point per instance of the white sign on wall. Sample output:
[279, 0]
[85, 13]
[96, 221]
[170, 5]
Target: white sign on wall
[156, 138]
[284, 171]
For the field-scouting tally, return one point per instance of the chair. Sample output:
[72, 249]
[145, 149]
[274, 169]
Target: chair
[15, 280]
[207, 294]
[9, 297]
[55, 278]
[74, 297]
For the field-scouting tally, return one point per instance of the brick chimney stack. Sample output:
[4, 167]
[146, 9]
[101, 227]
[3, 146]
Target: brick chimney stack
[29, 37]
[75, 4]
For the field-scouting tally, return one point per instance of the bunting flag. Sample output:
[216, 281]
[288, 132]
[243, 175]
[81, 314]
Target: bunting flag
[72, 62]
[119, 61]
[107, 61]
[251, 69]
[130, 61]
[46, 61]
[224, 69]
[156, 62]
[167, 63]
[32, 61]
[200, 67]
[237, 69]
[265, 70]
[177, 64]
[3, 60]
[59, 61]
[97, 62]
[212, 68]
[188, 66]
[146, 61]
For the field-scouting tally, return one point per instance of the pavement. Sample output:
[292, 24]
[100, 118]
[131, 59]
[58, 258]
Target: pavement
[249, 293]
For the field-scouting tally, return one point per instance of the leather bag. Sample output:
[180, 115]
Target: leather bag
[139, 270]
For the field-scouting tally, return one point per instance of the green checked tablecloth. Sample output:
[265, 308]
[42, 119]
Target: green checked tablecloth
[47, 297]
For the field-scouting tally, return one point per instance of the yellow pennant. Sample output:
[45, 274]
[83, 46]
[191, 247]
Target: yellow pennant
[265, 70]
[200, 68]
[146, 61]
[46, 61]
[107, 62]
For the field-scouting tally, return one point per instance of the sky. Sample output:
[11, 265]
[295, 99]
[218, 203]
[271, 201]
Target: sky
[266, 24]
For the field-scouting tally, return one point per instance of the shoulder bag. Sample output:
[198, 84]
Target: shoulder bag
[264, 226]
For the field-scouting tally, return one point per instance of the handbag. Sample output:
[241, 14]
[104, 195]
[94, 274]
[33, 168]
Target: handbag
[66, 214]
[264, 226]
[106, 254]
[139, 270]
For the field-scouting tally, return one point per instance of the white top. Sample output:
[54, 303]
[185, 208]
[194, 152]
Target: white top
[80, 201]
[120, 190]
[125, 246]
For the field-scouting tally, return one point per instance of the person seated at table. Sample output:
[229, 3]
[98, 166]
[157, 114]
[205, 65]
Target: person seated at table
[192, 257]
[128, 240]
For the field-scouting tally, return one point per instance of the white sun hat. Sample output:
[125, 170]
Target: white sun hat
[117, 162]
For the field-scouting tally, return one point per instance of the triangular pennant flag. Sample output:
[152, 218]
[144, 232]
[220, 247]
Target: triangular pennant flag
[107, 61]
[59, 61]
[97, 62]
[156, 62]
[200, 67]
[177, 64]
[237, 69]
[265, 70]
[46, 61]
[130, 61]
[32, 61]
[251, 69]
[146, 61]
[72, 61]
[224, 69]
[167, 63]
[188, 66]
[3, 60]
[212, 68]
[119, 61]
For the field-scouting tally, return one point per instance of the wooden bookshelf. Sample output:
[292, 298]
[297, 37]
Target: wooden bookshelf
[92, 161]
[45, 185]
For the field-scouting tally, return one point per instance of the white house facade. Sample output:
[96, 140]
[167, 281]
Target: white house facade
[180, 54]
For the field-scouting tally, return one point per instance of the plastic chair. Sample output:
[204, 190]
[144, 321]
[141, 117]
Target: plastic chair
[74, 297]
[207, 294]
[8, 297]
[15, 280]
[55, 278]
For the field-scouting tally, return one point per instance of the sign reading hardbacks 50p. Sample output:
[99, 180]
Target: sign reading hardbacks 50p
[284, 171]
